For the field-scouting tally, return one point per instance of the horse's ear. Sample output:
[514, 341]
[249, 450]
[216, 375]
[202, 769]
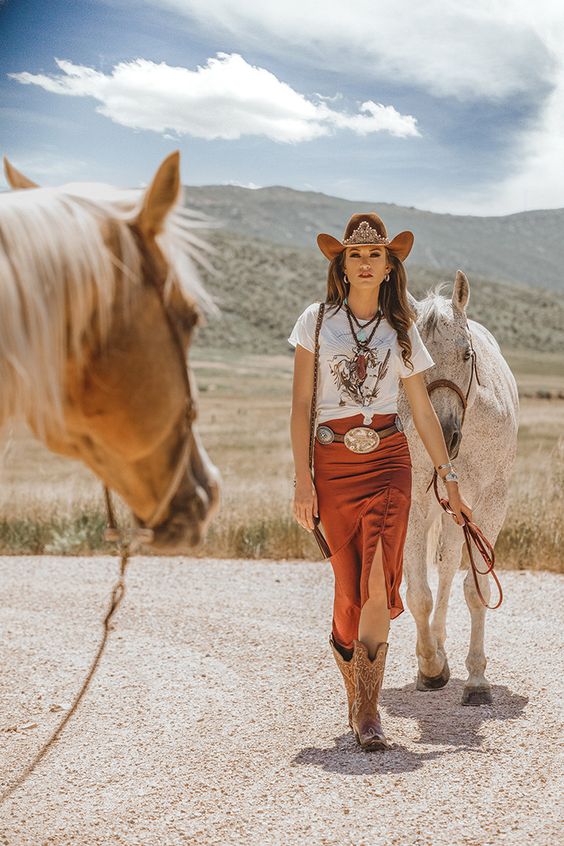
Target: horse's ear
[161, 195]
[15, 179]
[461, 292]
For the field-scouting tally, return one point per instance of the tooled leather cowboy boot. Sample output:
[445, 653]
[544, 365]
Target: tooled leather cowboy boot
[368, 677]
[346, 669]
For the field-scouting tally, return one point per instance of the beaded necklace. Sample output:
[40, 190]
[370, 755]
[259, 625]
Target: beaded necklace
[361, 341]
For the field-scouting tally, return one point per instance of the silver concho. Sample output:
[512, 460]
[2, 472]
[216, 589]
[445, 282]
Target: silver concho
[325, 435]
[361, 439]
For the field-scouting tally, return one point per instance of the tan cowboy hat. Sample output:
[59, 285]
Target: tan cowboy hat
[366, 228]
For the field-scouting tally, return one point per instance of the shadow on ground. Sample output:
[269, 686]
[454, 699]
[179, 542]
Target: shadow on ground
[441, 720]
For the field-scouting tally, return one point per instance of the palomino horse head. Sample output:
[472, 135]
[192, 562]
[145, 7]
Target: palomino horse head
[453, 383]
[99, 297]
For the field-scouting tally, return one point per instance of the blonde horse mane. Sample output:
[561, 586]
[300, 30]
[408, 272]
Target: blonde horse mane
[56, 273]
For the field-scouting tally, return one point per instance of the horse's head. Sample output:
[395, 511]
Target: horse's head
[443, 325]
[99, 303]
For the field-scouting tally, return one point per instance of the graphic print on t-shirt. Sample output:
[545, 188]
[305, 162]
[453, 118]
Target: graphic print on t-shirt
[358, 377]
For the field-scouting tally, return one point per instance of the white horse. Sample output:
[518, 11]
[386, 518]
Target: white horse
[468, 356]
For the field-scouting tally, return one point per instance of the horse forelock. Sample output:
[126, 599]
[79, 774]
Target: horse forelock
[433, 309]
[59, 252]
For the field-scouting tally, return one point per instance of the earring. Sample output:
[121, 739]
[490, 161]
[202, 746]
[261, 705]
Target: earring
[387, 277]
[346, 279]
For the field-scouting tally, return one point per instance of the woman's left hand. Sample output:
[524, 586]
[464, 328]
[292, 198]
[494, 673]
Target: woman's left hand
[458, 504]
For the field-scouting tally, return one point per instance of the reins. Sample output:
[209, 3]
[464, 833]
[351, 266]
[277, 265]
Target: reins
[472, 533]
[127, 541]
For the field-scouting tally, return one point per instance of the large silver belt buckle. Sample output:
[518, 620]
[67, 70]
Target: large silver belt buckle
[361, 439]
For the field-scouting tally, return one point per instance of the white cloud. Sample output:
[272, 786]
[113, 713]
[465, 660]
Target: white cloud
[507, 52]
[536, 178]
[252, 186]
[470, 49]
[536, 172]
[226, 98]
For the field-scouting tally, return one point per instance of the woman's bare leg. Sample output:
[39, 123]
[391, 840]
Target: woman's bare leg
[374, 623]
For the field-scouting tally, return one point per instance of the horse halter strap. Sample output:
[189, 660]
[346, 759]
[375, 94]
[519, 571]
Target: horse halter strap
[145, 534]
[447, 383]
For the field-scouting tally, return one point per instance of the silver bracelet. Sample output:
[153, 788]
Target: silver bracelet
[450, 477]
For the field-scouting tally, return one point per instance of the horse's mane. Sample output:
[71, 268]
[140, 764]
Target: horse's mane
[433, 306]
[56, 271]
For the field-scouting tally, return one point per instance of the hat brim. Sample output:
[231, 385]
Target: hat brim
[400, 246]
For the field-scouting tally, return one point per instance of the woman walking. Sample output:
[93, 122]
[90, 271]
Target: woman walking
[359, 486]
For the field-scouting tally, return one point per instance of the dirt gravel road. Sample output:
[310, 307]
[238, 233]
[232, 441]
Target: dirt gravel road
[218, 716]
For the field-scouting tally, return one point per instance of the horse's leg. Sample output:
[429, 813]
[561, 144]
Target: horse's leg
[448, 554]
[477, 690]
[433, 668]
[448, 561]
[489, 516]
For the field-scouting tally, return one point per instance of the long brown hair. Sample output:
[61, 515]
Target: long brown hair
[392, 298]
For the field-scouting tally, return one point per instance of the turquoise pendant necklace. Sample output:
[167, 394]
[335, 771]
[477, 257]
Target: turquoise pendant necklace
[361, 335]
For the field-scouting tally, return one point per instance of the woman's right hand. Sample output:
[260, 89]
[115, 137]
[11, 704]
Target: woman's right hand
[305, 503]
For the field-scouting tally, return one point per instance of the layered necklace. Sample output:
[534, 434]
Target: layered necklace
[362, 340]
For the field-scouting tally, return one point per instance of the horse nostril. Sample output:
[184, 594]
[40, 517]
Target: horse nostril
[200, 503]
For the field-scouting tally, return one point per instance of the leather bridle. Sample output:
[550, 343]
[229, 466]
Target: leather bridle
[447, 383]
[471, 531]
[145, 534]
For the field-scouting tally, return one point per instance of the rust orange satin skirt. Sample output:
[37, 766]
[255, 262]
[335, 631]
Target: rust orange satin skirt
[362, 497]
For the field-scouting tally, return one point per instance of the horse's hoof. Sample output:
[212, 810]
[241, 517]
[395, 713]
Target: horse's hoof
[433, 682]
[476, 696]
[372, 743]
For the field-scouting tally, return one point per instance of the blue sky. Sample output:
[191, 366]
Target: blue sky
[450, 106]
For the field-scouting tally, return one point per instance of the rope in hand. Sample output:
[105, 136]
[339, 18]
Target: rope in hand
[126, 546]
[472, 533]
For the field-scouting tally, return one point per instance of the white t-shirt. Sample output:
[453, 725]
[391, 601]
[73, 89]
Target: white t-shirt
[346, 385]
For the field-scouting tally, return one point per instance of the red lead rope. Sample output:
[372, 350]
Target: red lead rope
[486, 550]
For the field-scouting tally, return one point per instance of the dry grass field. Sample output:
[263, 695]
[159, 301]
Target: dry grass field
[54, 505]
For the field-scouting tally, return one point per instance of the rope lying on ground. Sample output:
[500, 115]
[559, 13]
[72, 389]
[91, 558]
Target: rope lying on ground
[127, 541]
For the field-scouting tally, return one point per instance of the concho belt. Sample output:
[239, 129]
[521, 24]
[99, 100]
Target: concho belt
[358, 438]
